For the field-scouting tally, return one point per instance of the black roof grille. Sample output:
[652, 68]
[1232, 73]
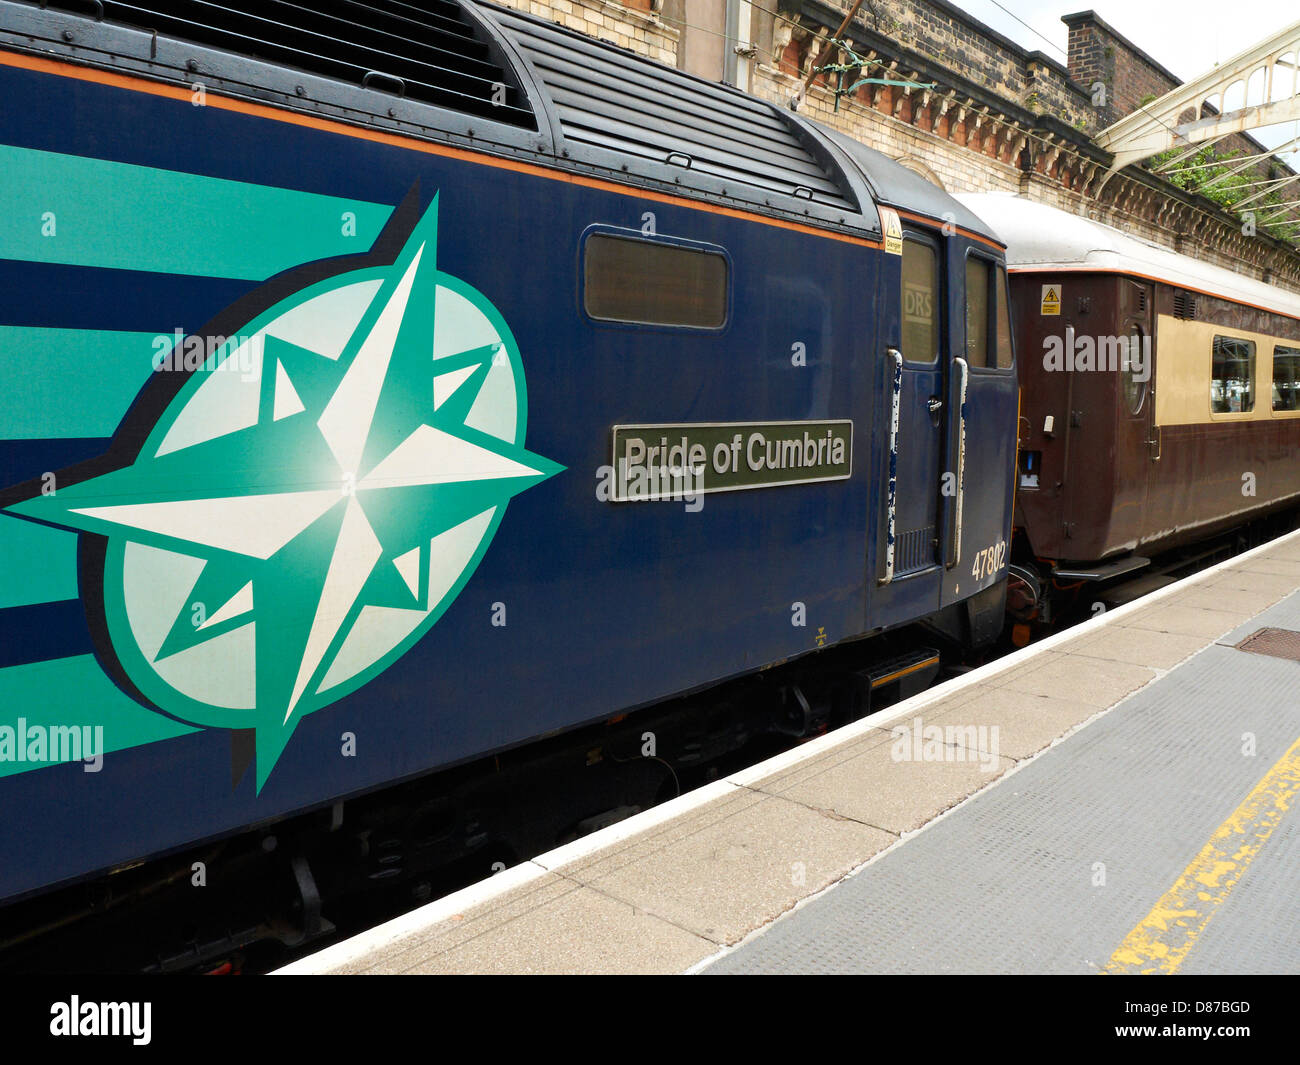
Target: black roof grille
[1184, 305]
[429, 50]
[612, 99]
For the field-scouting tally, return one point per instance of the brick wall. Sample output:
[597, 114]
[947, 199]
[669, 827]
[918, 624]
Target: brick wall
[942, 32]
[632, 25]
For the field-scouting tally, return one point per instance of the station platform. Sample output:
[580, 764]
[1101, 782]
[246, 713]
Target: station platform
[1113, 799]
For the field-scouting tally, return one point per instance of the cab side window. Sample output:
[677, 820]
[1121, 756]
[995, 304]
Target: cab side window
[647, 282]
[1003, 335]
[977, 311]
[920, 301]
[988, 318]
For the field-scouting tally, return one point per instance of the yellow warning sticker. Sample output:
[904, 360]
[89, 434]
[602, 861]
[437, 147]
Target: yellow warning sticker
[893, 227]
[1051, 299]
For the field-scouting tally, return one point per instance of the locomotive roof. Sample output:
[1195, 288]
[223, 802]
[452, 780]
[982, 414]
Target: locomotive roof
[496, 79]
[1041, 237]
[615, 106]
[897, 186]
[644, 121]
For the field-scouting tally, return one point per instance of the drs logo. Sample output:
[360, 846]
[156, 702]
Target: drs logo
[917, 303]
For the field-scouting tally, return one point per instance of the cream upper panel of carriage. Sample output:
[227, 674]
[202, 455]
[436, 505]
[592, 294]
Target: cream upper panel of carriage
[1040, 237]
[1208, 372]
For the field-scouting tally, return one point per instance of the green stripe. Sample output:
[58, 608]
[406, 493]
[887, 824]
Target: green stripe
[70, 382]
[37, 564]
[75, 692]
[91, 212]
[60, 383]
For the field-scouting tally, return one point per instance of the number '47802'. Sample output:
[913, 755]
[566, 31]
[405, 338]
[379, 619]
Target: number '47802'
[989, 561]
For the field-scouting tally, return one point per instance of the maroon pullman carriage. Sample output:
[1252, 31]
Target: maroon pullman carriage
[1160, 400]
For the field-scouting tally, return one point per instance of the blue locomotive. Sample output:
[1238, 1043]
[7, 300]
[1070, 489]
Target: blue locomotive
[371, 407]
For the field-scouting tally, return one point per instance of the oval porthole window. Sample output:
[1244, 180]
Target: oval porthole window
[1135, 370]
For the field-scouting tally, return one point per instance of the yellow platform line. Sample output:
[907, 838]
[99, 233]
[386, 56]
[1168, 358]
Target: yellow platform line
[1161, 940]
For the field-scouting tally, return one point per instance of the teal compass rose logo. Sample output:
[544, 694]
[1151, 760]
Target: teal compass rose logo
[311, 501]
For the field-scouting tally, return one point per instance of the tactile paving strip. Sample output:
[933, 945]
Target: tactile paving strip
[1050, 869]
[1279, 643]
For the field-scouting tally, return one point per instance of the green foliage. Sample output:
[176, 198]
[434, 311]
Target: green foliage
[1198, 174]
[1203, 169]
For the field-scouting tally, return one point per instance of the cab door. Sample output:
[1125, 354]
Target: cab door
[981, 418]
[915, 377]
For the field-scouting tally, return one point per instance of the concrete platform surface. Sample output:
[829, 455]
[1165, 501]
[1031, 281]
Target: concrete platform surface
[1111, 799]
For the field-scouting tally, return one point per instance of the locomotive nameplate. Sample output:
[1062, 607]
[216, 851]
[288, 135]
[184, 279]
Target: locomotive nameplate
[677, 461]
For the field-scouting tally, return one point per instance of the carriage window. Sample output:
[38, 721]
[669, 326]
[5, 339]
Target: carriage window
[1004, 322]
[1286, 378]
[920, 302]
[1232, 386]
[977, 312]
[651, 283]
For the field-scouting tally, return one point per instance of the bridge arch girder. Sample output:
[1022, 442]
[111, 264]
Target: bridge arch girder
[1268, 74]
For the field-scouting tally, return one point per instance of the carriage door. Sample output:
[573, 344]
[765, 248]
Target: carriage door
[914, 399]
[1136, 443]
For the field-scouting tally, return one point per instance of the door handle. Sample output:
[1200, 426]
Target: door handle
[894, 364]
[934, 405]
[1155, 443]
[954, 545]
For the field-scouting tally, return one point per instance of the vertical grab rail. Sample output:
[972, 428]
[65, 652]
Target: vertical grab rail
[964, 367]
[891, 493]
